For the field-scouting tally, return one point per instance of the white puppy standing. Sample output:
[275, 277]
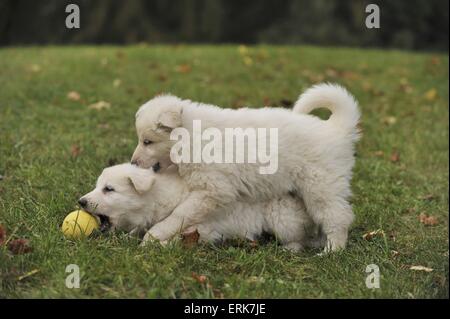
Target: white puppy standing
[315, 159]
[133, 199]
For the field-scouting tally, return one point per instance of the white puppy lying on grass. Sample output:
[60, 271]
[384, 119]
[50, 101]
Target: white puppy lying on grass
[134, 199]
[315, 159]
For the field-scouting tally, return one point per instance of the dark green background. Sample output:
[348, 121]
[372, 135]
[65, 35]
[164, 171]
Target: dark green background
[406, 24]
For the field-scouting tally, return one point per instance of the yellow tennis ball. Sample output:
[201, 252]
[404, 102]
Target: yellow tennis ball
[79, 224]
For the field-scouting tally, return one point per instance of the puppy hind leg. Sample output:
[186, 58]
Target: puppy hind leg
[334, 215]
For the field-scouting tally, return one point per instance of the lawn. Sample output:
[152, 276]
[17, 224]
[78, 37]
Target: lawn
[53, 147]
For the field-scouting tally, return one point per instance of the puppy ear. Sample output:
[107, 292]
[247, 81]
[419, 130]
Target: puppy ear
[169, 120]
[141, 182]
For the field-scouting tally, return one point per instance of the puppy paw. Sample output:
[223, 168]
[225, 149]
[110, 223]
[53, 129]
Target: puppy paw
[333, 245]
[293, 247]
[148, 238]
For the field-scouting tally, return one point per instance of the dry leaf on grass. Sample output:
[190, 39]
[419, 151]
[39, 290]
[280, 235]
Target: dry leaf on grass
[390, 120]
[73, 96]
[28, 274]
[35, 68]
[103, 125]
[238, 103]
[75, 150]
[248, 61]
[378, 153]
[120, 55]
[183, 68]
[190, 239]
[331, 73]
[431, 95]
[100, 105]
[421, 268]
[395, 157]
[435, 60]
[19, 246]
[117, 83]
[243, 50]
[428, 197]
[2, 234]
[162, 77]
[199, 278]
[371, 235]
[428, 220]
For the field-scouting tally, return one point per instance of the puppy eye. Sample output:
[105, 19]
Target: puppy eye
[108, 189]
[147, 142]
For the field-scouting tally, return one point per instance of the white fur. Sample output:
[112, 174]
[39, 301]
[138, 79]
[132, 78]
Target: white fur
[135, 210]
[315, 160]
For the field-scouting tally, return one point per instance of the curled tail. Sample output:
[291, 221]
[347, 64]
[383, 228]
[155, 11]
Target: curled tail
[343, 106]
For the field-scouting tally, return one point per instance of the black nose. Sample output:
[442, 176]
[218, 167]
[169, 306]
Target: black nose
[135, 162]
[82, 202]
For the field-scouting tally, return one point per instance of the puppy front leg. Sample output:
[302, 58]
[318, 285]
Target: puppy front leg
[190, 212]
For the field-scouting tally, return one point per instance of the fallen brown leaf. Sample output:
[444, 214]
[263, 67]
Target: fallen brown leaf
[100, 105]
[103, 125]
[183, 68]
[190, 239]
[431, 94]
[19, 246]
[75, 150]
[73, 96]
[199, 278]
[378, 153]
[243, 50]
[120, 55]
[373, 234]
[238, 103]
[331, 73]
[349, 75]
[421, 268]
[395, 157]
[390, 120]
[435, 60]
[428, 197]
[405, 86]
[117, 83]
[248, 61]
[35, 68]
[428, 220]
[162, 77]
[2, 234]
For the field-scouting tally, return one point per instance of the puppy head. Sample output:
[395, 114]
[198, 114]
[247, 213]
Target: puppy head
[155, 120]
[118, 199]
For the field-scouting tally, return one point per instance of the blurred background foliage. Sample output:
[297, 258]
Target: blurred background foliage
[405, 24]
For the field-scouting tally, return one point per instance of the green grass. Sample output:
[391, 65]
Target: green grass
[42, 179]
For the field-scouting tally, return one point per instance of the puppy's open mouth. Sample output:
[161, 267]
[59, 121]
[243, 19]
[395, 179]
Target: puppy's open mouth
[105, 223]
